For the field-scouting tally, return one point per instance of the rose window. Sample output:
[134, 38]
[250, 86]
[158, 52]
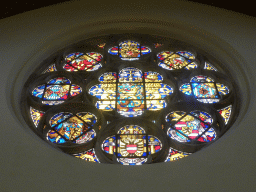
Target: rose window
[130, 99]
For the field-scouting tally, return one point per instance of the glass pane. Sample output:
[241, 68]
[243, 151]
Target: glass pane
[109, 145]
[36, 115]
[131, 146]
[83, 62]
[174, 116]
[186, 89]
[189, 128]
[176, 155]
[161, 56]
[51, 68]
[88, 136]
[157, 90]
[54, 137]
[129, 49]
[131, 129]
[87, 117]
[186, 54]
[226, 113]
[56, 92]
[59, 80]
[75, 90]
[58, 118]
[205, 90]
[208, 66]
[153, 77]
[106, 105]
[130, 108]
[154, 144]
[38, 91]
[132, 161]
[155, 105]
[223, 90]
[130, 74]
[145, 50]
[104, 91]
[130, 91]
[201, 79]
[88, 156]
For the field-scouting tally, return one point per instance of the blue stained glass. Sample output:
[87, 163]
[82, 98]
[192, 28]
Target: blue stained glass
[54, 137]
[204, 90]
[58, 118]
[73, 56]
[56, 92]
[154, 105]
[186, 54]
[201, 79]
[38, 92]
[113, 50]
[190, 128]
[130, 91]
[165, 90]
[59, 80]
[109, 145]
[145, 50]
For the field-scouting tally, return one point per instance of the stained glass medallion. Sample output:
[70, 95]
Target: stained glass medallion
[179, 60]
[136, 91]
[204, 89]
[129, 50]
[188, 127]
[131, 145]
[83, 62]
[56, 91]
[75, 128]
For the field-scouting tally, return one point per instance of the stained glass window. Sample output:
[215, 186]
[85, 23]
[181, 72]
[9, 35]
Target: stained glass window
[36, 115]
[188, 127]
[176, 60]
[226, 113]
[137, 91]
[56, 91]
[131, 145]
[175, 155]
[129, 50]
[88, 156]
[51, 68]
[68, 127]
[83, 62]
[142, 103]
[204, 89]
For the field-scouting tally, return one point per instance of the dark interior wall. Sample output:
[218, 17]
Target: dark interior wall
[28, 164]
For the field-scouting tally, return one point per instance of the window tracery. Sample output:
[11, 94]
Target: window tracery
[129, 102]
